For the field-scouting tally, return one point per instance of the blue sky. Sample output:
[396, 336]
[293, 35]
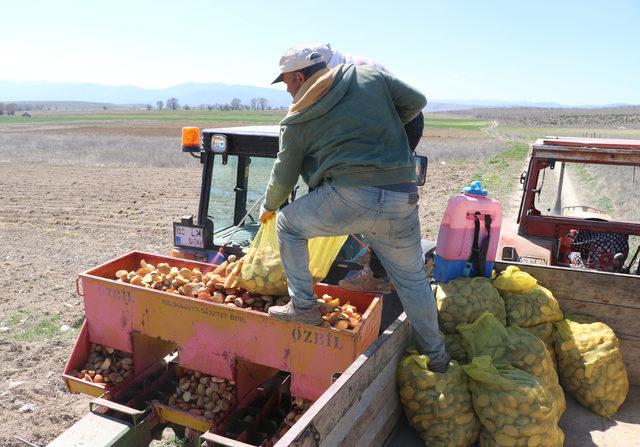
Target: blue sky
[565, 51]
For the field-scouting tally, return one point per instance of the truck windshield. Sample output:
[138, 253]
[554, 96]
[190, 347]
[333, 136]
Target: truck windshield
[595, 191]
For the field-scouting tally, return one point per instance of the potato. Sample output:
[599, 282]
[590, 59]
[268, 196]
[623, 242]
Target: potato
[341, 324]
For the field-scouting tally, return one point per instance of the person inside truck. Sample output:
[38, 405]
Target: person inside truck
[596, 250]
[344, 134]
[372, 277]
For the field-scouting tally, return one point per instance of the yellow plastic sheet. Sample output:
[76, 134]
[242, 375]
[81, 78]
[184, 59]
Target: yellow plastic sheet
[590, 364]
[262, 270]
[438, 405]
[512, 279]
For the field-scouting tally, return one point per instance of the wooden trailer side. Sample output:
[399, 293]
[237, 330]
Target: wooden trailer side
[362, 406]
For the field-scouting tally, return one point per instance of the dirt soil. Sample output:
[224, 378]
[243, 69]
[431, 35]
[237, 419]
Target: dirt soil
[57, 221]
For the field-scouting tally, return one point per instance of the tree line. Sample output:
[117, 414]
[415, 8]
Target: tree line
[235, 104]
[9, 109]
[170, 104]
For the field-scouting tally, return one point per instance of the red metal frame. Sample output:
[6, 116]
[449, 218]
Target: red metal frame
[578, 150]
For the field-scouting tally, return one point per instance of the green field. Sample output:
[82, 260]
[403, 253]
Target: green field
[236, 116]
[262, 117]
[533, 133]
[454, 123]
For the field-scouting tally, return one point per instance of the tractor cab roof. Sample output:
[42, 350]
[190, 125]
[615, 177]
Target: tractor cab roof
[256, 141]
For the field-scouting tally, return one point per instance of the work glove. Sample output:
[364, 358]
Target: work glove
[266, 215]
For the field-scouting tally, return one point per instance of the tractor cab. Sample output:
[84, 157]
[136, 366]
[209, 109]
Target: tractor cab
[577, 208]
[236, 165]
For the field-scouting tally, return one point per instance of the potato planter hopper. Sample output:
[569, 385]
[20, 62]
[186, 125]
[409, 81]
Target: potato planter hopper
[217, 339]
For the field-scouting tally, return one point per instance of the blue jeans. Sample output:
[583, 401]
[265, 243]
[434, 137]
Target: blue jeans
[390, 223]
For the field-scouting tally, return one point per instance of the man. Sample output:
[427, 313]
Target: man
[344, 134]
[372, 277]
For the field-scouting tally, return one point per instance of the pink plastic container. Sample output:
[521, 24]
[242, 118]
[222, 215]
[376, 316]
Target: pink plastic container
[455, 238]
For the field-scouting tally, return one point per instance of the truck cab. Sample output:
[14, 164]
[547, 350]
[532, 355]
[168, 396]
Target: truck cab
[577, 199]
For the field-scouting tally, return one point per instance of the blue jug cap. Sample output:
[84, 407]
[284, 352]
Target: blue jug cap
[475, 189]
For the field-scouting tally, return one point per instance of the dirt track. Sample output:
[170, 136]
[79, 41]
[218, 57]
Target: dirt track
[59, 220]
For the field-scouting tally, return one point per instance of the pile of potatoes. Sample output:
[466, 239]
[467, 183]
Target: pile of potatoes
[218, 286]
[221, 286]
[514, 407]
[203, 395]
[263, 272]
[438, 405]
[183, 281]
[298, 407]
[105, 366]
[531, 307]
[338, 315]
[590, 364]
[462, 300]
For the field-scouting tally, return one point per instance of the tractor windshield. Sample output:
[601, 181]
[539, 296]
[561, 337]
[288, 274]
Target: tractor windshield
[223, 195]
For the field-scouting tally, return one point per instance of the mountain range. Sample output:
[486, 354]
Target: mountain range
[194, 94]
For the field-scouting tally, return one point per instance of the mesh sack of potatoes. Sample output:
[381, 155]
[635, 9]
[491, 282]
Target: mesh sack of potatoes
[455, 347]
[513, 280]
[438, 405]
[590, 364]
[516, 347]
[544, 331]
[462, 300]
[514, 407]
[262, 271]
[531, 307]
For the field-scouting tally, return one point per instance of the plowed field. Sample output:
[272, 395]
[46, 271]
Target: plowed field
[60, 218]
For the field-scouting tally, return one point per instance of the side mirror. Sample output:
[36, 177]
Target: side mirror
[421, 169]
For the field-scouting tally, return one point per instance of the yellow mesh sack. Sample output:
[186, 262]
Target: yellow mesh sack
[529, 308]
[544, 332]
[438, 405]
[515, 347]
[590, 364]
[512, 279]
[454, 346]
[262, 270]
[514, 407]
[462, 300]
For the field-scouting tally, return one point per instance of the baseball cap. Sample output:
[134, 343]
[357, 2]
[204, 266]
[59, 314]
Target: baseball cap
[297, 58]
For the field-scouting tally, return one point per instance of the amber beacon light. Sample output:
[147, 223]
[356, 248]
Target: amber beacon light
[190, 139]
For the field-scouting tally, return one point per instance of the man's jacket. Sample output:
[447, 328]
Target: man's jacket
[345, 127]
